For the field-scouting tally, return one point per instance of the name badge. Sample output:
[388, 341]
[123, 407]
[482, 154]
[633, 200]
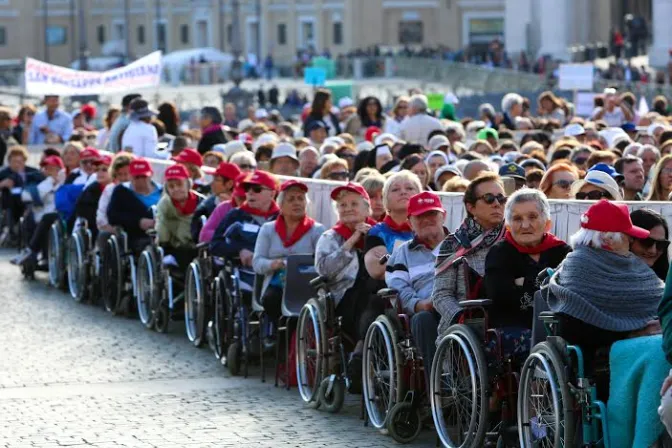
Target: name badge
[250, 228]
[16, 190]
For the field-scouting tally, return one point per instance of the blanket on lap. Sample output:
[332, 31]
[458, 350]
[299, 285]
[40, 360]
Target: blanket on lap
[638, 368]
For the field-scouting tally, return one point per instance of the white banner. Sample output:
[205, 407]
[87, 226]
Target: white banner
[47, 79]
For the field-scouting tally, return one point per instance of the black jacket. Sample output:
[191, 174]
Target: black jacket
[205, 208]
[505, 269]
[211, 139]
[87, 205]
[310, 119]
[33, 176]
[126, 210]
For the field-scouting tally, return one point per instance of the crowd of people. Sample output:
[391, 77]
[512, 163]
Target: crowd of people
[248, 179]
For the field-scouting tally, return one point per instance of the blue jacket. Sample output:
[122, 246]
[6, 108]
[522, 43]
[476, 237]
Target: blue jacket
[237, 231]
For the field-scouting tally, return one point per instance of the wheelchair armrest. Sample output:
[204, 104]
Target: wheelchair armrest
[548, 317]
[480, 303]
[319, 281]
[201, 246]
[387, 292]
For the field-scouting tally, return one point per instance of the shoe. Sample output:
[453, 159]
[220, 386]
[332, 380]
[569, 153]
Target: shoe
[22, 257]
[269, 343]
[355, 373]
[4, 236]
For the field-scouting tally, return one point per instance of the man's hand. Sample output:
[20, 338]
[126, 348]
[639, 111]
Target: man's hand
[246, 257]
[146, 223]
[278, 264]
[424, 305]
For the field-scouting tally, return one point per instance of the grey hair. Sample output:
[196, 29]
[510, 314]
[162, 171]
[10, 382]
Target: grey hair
[419, 102]
[486, 107]
[241, 157]
[651, 148]
[593, 238]
[340, 195]
[632, 149]
[510, 100]
[281, 198]
[527, 195]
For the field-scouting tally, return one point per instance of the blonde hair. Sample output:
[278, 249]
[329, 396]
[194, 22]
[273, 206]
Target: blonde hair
[373, 183]
[364, 173]
[455, 185]
[17, 151]
[656, 193]
[121, 160]
[401, 176]
[328, 167]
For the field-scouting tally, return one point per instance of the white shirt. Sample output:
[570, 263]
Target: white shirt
[392, 126]
[614, 119]
[141, 139]
[103, 203]
[416, 129]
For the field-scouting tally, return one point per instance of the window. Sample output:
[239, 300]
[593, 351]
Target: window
[56, 35]
[3, 36]
[338, 33]
[184, 34]
[101, 34]
[161, 36]
[141, 35]
[410, 32]
[282, 34]
[229, 34]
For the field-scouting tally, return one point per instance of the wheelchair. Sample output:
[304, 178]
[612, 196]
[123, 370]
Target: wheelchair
[31, 264]
[557, 402]
[321, 352]
[198, 300]
[83, 266]
[57, 255]
[392, 373]
[118, 273]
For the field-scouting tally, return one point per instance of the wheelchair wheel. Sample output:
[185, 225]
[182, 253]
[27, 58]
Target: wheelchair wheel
[381, 371]
[112, 275]
[147, 285]
[194, 305]
[332, 393]
[77, 269]
[222, 323]
[56, 255]
[310, 350]
[458, 389]
[545, 416]
[233, 358]
[404, 422]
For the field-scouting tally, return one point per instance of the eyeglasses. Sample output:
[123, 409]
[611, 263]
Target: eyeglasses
[254, 188]
[490, 198]
[666, 171]
[247, 167]
[592, 195]
[647, 243]
[345, 155]
[338, 175]
[580, 160]
[30, 113]
[563, 183]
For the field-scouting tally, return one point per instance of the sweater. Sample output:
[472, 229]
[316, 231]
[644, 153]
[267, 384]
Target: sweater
[126, 210]
[214, 220]
[340, 266]
[205, 208]
[269, 247]
[172, 227]
[511, 281]
[237, 231]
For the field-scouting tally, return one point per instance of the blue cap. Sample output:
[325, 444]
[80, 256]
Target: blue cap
[629, 127]
[512, 170]
[316, 124]
[606, 168]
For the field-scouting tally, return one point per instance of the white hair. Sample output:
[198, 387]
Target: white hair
[593, 238]
[651, 148]
[510, 100]
[243, 158]
[281, 198]
[419, 102]
[340, 195]
[404, 175]
[527, 195]
[632, 149]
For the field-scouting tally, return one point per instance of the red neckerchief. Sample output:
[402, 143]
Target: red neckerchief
[273, 209]
[102, 187]
[345, 232]
[281, 228]
[548, 242]
[189, 206]
[405, 227]
[211, 128]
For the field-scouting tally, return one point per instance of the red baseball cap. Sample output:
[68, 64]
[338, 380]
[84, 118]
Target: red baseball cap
[176, 171]
[228, 170]
[239, 190]
[350, 186]
[103, 160]
[294, 183]
[189, 155]
[140, 167]
[424, 202]
[262, 178]
[52, 161]
[371, 133]
[608, 216]
[89, 153]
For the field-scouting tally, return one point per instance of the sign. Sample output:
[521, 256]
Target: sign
[315, 76]
[575, 77]
[47, 79]
[584, 104]
[435, 101]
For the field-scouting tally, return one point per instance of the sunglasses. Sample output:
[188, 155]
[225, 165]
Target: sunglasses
[647, 243]
[490, 198]
[593, 195]
[254, 188]
[338, 176]
[580, 160]
[563, 183]
[247, 167]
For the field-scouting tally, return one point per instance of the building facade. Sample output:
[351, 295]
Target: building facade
[50, 29]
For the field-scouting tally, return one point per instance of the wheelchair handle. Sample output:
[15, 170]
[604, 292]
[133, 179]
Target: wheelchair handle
[383, 259]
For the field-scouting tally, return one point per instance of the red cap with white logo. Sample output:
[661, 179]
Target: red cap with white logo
[424, 202]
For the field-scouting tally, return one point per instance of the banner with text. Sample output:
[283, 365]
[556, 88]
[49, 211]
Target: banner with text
[48, 79]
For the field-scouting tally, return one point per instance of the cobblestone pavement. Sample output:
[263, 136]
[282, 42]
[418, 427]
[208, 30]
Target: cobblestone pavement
[72, 375]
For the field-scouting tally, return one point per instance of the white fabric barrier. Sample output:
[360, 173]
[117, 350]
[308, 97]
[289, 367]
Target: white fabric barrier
[566, 215]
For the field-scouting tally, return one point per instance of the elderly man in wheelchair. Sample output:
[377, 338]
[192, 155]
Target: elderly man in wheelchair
[396, 349]
[602, 299]
[131, 211]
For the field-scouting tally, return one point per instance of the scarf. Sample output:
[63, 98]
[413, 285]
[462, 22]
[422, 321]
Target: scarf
[346, 232]
[470, 237]
[405, 227]
[281, 229]
[211, 128]
[189, 206]
[549, 241]
[604, 289]
[272, 210]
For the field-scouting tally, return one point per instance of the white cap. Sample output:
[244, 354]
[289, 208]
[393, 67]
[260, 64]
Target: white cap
[284, 150]
[610, 135]
[438, 141]
[602, 180]
[345, 102]
[653, 127]
[260, 114]
[450, 98]
[437, 154]
[338, 141]
[233, 147]
[381, 138]
[263, 139]
[364, 146]
[244, 124]
[574, 129]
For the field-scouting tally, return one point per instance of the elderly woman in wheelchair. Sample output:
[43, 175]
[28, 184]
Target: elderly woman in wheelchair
[162, 264]
[338, 315]
[600, 296]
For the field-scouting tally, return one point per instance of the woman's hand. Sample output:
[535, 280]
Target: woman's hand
[652, 328]
[666, 384]
[246, 257]
[362, 228]
[278, 264]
